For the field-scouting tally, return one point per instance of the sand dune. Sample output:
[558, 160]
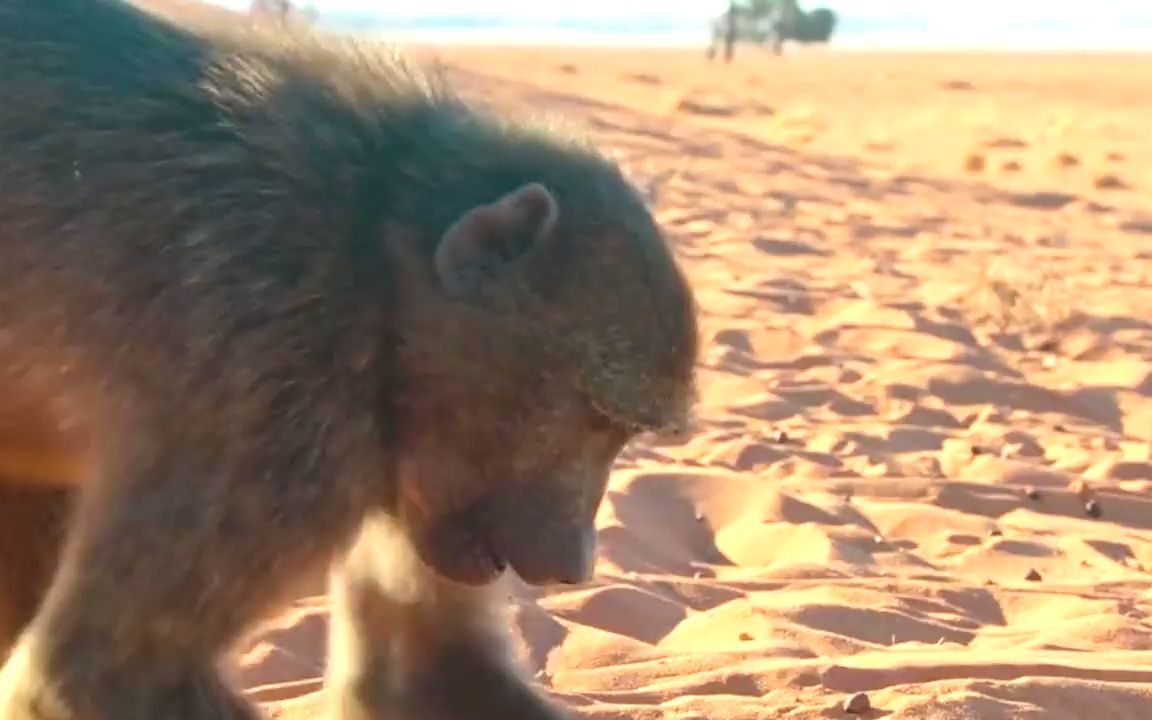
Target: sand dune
[924, 463]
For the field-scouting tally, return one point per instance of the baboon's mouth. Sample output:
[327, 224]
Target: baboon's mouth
[459, 550]
[489, 563]
[479, 563]
[484, 547]
[499, 563]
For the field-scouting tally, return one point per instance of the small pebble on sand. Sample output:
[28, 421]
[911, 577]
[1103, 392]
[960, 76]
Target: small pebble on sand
[858, 704]
[1108, 181]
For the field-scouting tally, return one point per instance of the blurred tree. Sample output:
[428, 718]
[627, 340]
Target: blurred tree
[769, 22]
[283, 11]
[731, 30]
[277, 9]
[761, 8]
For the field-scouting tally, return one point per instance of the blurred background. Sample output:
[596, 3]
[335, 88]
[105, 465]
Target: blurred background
[888, 24]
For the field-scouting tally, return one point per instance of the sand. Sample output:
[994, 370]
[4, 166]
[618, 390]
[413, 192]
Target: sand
[924, 462]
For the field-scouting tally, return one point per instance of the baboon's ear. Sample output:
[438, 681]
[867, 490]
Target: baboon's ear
[485, 240]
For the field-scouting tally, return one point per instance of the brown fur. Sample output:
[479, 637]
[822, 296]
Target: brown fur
[273, 305]
[31, 529]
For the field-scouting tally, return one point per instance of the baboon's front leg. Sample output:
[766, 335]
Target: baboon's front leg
[165, 566]
[407, 645]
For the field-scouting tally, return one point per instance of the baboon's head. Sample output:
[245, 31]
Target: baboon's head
[548, 327]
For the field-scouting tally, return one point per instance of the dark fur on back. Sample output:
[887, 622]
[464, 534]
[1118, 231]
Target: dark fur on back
[301, 307]
[275, 146]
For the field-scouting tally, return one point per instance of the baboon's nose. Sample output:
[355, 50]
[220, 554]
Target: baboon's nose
[566, 558]
[583, 559]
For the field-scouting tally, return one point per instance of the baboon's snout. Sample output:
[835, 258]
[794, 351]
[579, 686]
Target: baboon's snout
[564, 555]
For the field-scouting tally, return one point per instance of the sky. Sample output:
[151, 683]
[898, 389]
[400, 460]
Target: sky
[1064, 9]
[1069, 24]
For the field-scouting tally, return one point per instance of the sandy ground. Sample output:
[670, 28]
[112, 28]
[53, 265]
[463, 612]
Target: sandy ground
[925, 458]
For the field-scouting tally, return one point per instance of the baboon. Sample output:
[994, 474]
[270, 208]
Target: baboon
[275, 305]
